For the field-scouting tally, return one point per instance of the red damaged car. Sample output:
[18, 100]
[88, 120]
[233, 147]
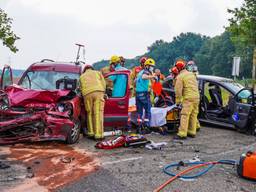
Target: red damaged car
[47, 104]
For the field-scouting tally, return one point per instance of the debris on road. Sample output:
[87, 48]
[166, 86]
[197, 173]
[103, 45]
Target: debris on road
[67, 159]
[4, 166]
[153, 145]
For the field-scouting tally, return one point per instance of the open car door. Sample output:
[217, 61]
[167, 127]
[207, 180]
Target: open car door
[116, 105]
[6, 77]
[241, 109]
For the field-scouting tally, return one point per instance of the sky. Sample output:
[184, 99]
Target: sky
[50, 28]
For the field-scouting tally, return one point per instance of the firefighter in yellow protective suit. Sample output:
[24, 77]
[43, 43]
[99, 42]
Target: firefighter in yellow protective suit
[192, 67]
[187, 96]
[93, 88]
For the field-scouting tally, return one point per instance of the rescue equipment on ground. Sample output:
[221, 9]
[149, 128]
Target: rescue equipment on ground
[135, 140]
[132, 140]
[245, 168]
[192, 166]
[112, 133]
[153, 145]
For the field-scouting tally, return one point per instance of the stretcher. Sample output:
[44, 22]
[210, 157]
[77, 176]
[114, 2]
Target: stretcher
[159, 116]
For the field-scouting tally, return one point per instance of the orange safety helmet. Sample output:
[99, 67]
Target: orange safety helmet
[142, 60]
[180, 64]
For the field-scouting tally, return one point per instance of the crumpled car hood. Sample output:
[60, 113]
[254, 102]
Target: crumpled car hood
[21, 97]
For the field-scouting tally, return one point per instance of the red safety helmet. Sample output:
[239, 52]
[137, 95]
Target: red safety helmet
[174, 71]
[88, 67]
[180, 64]
[142, 60]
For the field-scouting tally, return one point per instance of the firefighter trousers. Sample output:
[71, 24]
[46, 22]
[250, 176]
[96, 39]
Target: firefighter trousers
[188, 120]
[94, 105]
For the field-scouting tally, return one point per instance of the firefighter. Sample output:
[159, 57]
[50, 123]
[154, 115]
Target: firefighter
[119, 81]
[143, 94]
[122, 61]
[174, 73]
[93, 88]
[191, 66]
[134, 73]
[187, 96]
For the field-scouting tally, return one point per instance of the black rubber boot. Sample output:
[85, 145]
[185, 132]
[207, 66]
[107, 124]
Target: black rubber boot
[177, 137]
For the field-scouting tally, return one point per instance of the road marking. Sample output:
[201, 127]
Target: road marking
[121, 160]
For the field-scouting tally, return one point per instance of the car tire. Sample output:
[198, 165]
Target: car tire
[74, 133]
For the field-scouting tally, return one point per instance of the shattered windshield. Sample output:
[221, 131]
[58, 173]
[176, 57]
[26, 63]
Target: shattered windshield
[45, 80]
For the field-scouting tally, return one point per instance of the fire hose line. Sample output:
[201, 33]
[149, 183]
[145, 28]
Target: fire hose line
[194, 165]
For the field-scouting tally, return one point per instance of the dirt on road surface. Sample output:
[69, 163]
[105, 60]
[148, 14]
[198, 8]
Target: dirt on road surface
[49, 165]
[127, 169]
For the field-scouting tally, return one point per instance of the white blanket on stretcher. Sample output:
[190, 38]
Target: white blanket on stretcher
[158, 114]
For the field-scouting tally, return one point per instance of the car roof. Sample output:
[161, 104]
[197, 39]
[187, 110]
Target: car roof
[56, 66]
[213, 78]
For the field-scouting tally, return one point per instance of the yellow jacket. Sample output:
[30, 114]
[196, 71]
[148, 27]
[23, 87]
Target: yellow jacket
[186, 86]
[133, 75]
[91, 81]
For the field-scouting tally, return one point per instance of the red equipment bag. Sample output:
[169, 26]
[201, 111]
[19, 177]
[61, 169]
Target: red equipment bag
[247, 166]
[133, 140]
[112, 143]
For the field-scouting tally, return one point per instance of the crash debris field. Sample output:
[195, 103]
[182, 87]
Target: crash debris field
[54, 166]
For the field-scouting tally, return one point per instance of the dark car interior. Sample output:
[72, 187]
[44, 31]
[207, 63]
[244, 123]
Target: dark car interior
[216, 99]
[167, 97]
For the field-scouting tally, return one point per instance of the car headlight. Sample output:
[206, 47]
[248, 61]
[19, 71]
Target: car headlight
[65, 107]
[4, 103]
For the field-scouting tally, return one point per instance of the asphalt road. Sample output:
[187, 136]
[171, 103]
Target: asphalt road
[140, 169]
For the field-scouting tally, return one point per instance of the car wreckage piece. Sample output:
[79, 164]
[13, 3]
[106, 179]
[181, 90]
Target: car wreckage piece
[37, 115]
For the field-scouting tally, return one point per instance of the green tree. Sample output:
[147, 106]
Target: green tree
[165, 53]
[184, 45]
[215, 56]
[6, 34]
[242, 26]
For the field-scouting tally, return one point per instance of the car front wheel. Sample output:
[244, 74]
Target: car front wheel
[74, 133]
